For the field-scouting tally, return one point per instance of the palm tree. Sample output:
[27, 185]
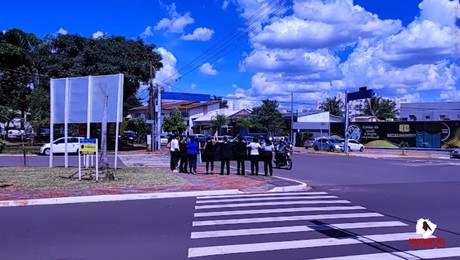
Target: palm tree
[380, 108]
[219, 121]
[332, 105]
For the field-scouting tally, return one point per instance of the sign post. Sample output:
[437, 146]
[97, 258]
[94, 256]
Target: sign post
[88, 147]
[361, 94]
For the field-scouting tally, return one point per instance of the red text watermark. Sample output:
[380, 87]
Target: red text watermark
[431, 242]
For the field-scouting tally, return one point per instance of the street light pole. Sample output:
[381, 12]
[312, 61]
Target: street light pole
[346, 123]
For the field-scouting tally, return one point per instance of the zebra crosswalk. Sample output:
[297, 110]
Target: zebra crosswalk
[299, 225]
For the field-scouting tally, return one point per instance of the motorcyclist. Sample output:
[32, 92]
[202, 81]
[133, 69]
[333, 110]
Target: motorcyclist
[280, 151]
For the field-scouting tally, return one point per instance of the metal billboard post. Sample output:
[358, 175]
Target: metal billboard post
[346, 123]
[361, 94]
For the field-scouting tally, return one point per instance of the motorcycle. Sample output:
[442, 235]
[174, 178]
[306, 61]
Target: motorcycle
[283, 160]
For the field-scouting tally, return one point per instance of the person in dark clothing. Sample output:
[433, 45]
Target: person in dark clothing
[268, 149]
[192, 152]
[241, 152]
[209, 150]
[183, 155]
[225, 156]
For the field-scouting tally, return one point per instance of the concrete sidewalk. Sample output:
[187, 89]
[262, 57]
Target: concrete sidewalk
[215, 181]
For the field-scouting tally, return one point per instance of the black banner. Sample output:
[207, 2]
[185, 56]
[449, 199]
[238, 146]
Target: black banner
[435, 134]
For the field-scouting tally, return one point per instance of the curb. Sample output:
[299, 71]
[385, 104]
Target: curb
[301, 187]
[117, 197]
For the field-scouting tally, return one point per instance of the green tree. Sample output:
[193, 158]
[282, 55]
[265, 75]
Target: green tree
[174, 123]
[18, 72]
[73, 55]
[266, 117]
[244, 122]
[39, 116]
[332, 105]
[218, 121]
[139, 126]
[380, 108]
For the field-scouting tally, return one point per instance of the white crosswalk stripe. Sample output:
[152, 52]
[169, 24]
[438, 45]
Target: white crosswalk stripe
[288, 229]
[256, 204]
[278, 210]
[231, 226]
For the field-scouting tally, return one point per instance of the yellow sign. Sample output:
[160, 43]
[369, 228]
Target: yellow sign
[404, 128]
[88, 146]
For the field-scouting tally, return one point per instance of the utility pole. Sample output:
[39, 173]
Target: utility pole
[152, 109]
[292, 117]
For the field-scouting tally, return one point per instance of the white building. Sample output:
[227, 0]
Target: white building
[430, 111]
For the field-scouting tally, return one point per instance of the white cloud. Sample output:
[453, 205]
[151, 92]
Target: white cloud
[98, 35]
[225, 4]
[421, 43]
[208, 69]
[176, 22]
[439, 11]
[62, 31]
[147, 32]
[299, 52]
[451, 95]
[168, 73]
[291, 62]
[199, 34]
[317, 24]
[410, 98]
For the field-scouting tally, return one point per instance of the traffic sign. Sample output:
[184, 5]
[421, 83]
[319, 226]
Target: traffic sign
[368, 93]
[88, 146]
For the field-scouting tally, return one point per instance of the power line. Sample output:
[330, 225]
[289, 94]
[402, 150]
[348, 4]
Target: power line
[228, 40]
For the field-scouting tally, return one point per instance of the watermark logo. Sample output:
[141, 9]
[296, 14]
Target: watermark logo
[426, 228]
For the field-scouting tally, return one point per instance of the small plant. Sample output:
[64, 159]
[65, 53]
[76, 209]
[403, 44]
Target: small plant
[402, 145]
[2, 145]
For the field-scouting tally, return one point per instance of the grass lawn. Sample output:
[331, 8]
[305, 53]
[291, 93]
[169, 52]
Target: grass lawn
[42, 178]
[381, 143]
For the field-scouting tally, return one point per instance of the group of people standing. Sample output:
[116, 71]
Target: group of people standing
[184, 151]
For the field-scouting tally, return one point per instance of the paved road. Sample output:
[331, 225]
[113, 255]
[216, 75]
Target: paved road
[358, 206]
[301, 225]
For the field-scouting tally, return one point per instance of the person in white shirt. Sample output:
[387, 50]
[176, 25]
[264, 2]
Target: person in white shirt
[175, 153]
[268, 149]
[254, 156]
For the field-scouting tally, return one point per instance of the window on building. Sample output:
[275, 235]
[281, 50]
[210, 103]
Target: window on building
[427, 117]
[412, 117]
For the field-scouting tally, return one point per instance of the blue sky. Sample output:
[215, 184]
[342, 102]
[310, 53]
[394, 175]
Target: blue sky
[268, 49]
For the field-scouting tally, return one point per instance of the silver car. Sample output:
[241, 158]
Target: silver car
[330, 144]
[308, 143]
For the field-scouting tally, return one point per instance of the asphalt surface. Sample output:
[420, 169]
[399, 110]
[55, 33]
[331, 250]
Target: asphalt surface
[393, 192]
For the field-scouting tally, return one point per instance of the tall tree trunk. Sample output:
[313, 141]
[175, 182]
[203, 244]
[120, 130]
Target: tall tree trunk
[103, 161]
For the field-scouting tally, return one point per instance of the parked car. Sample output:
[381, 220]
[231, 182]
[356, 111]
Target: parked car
[455, 153]
[354, 145]
[309, 143]
[73, 146]
[330, 144]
